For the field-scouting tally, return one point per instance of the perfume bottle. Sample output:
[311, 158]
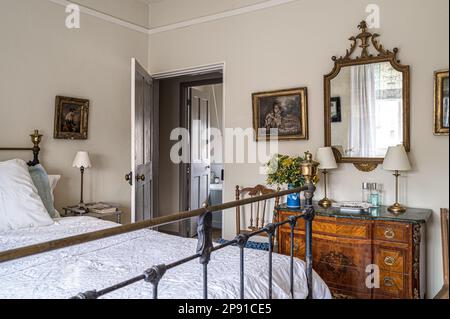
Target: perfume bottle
[375, 198]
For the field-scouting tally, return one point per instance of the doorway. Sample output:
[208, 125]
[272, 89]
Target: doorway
[195, 103]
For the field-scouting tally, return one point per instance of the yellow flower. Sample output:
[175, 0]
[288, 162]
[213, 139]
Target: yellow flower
[288, 161]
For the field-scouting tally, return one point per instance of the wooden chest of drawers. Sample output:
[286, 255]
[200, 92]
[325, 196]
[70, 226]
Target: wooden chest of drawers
[346, 248]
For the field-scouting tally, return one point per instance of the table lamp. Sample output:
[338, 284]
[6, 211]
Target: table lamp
[82, 162]
[396, 160]
[327, 162]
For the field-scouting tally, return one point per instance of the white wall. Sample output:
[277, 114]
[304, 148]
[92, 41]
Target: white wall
[291, 45]
[39, 59]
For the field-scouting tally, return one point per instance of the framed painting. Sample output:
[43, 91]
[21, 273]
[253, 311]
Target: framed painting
[281, 115]
[441, 103]
[336, 113]
[71, 118]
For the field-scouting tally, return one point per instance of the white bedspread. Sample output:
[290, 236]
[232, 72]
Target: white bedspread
[100, 264]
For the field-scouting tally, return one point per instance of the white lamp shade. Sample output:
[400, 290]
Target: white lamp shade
[326, 158]
[82, 160]
[396, 159]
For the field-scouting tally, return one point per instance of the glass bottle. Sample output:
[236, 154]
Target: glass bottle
[374, 195]
[366, 192]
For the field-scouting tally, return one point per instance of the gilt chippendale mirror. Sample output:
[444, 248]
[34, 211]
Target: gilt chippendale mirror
[367, 100]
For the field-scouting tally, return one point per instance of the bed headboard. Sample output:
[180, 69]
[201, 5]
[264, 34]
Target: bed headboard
[36, 140]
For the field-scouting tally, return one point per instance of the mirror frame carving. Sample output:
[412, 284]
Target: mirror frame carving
[366, 39]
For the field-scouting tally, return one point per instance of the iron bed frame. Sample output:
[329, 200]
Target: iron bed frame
[205, 246]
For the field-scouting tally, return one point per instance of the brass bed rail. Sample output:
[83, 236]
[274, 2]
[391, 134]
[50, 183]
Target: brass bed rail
[36, 140]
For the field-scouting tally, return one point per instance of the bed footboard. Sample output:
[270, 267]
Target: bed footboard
[205, 249]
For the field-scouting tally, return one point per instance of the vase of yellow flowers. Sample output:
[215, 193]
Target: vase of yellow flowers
[285, 170]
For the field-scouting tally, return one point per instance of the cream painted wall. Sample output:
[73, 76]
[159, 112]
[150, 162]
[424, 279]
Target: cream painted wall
[39, 59]
[291, 45]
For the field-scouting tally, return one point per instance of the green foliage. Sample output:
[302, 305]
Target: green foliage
[283, 169]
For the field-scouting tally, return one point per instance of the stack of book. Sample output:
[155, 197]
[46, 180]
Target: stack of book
[101, 208]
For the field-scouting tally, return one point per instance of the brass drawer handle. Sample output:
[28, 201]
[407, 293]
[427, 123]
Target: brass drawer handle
[389, 282]
[389, 261]
[389, 233]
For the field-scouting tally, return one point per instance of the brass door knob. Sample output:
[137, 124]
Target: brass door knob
[140, 178]
[129, 178]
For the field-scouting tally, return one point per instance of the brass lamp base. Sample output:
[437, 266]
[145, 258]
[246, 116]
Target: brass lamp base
[397, 209]
[325, 203]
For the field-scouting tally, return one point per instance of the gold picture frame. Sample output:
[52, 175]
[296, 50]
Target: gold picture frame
[281, 115]
[441, 103]
[71, 118]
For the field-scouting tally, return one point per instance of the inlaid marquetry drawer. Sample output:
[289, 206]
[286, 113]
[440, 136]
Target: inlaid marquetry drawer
[343, 278]
[347, 254]
[392, 285]
[334, 227]
[393, 232]
[392, 260]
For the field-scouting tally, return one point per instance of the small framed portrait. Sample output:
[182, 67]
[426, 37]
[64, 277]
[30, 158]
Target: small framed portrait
[71, 118]
[335, 110]
[281, 115]
[441, 103]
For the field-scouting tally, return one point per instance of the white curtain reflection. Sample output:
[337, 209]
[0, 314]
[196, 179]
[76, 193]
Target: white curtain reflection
[362, 141]
[376, 120]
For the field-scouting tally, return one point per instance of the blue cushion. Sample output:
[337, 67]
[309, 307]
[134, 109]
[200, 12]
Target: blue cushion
[250, 244]
[40, 180]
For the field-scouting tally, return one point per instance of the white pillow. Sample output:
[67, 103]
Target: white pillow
[53, 180]
[20, 204]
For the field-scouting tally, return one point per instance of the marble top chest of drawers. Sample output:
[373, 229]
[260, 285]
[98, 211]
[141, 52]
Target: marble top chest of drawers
[345, 245]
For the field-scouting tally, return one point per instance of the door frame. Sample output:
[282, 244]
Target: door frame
[185, 169]
[203, 73]
[135, 65]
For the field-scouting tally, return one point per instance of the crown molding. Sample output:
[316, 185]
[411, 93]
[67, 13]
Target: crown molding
[220, 16]
[179, 25]
[104, 16]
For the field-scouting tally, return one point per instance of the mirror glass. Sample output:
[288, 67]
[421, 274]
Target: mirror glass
[445, 104]
[366, 110]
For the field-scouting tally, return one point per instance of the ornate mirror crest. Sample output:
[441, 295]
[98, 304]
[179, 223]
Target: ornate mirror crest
[365, 37]
[371, 52]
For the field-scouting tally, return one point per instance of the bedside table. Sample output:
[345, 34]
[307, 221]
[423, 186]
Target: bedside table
[75, 211]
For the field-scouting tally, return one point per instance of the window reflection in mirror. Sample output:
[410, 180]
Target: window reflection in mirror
[366, 110]
[445, 104]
